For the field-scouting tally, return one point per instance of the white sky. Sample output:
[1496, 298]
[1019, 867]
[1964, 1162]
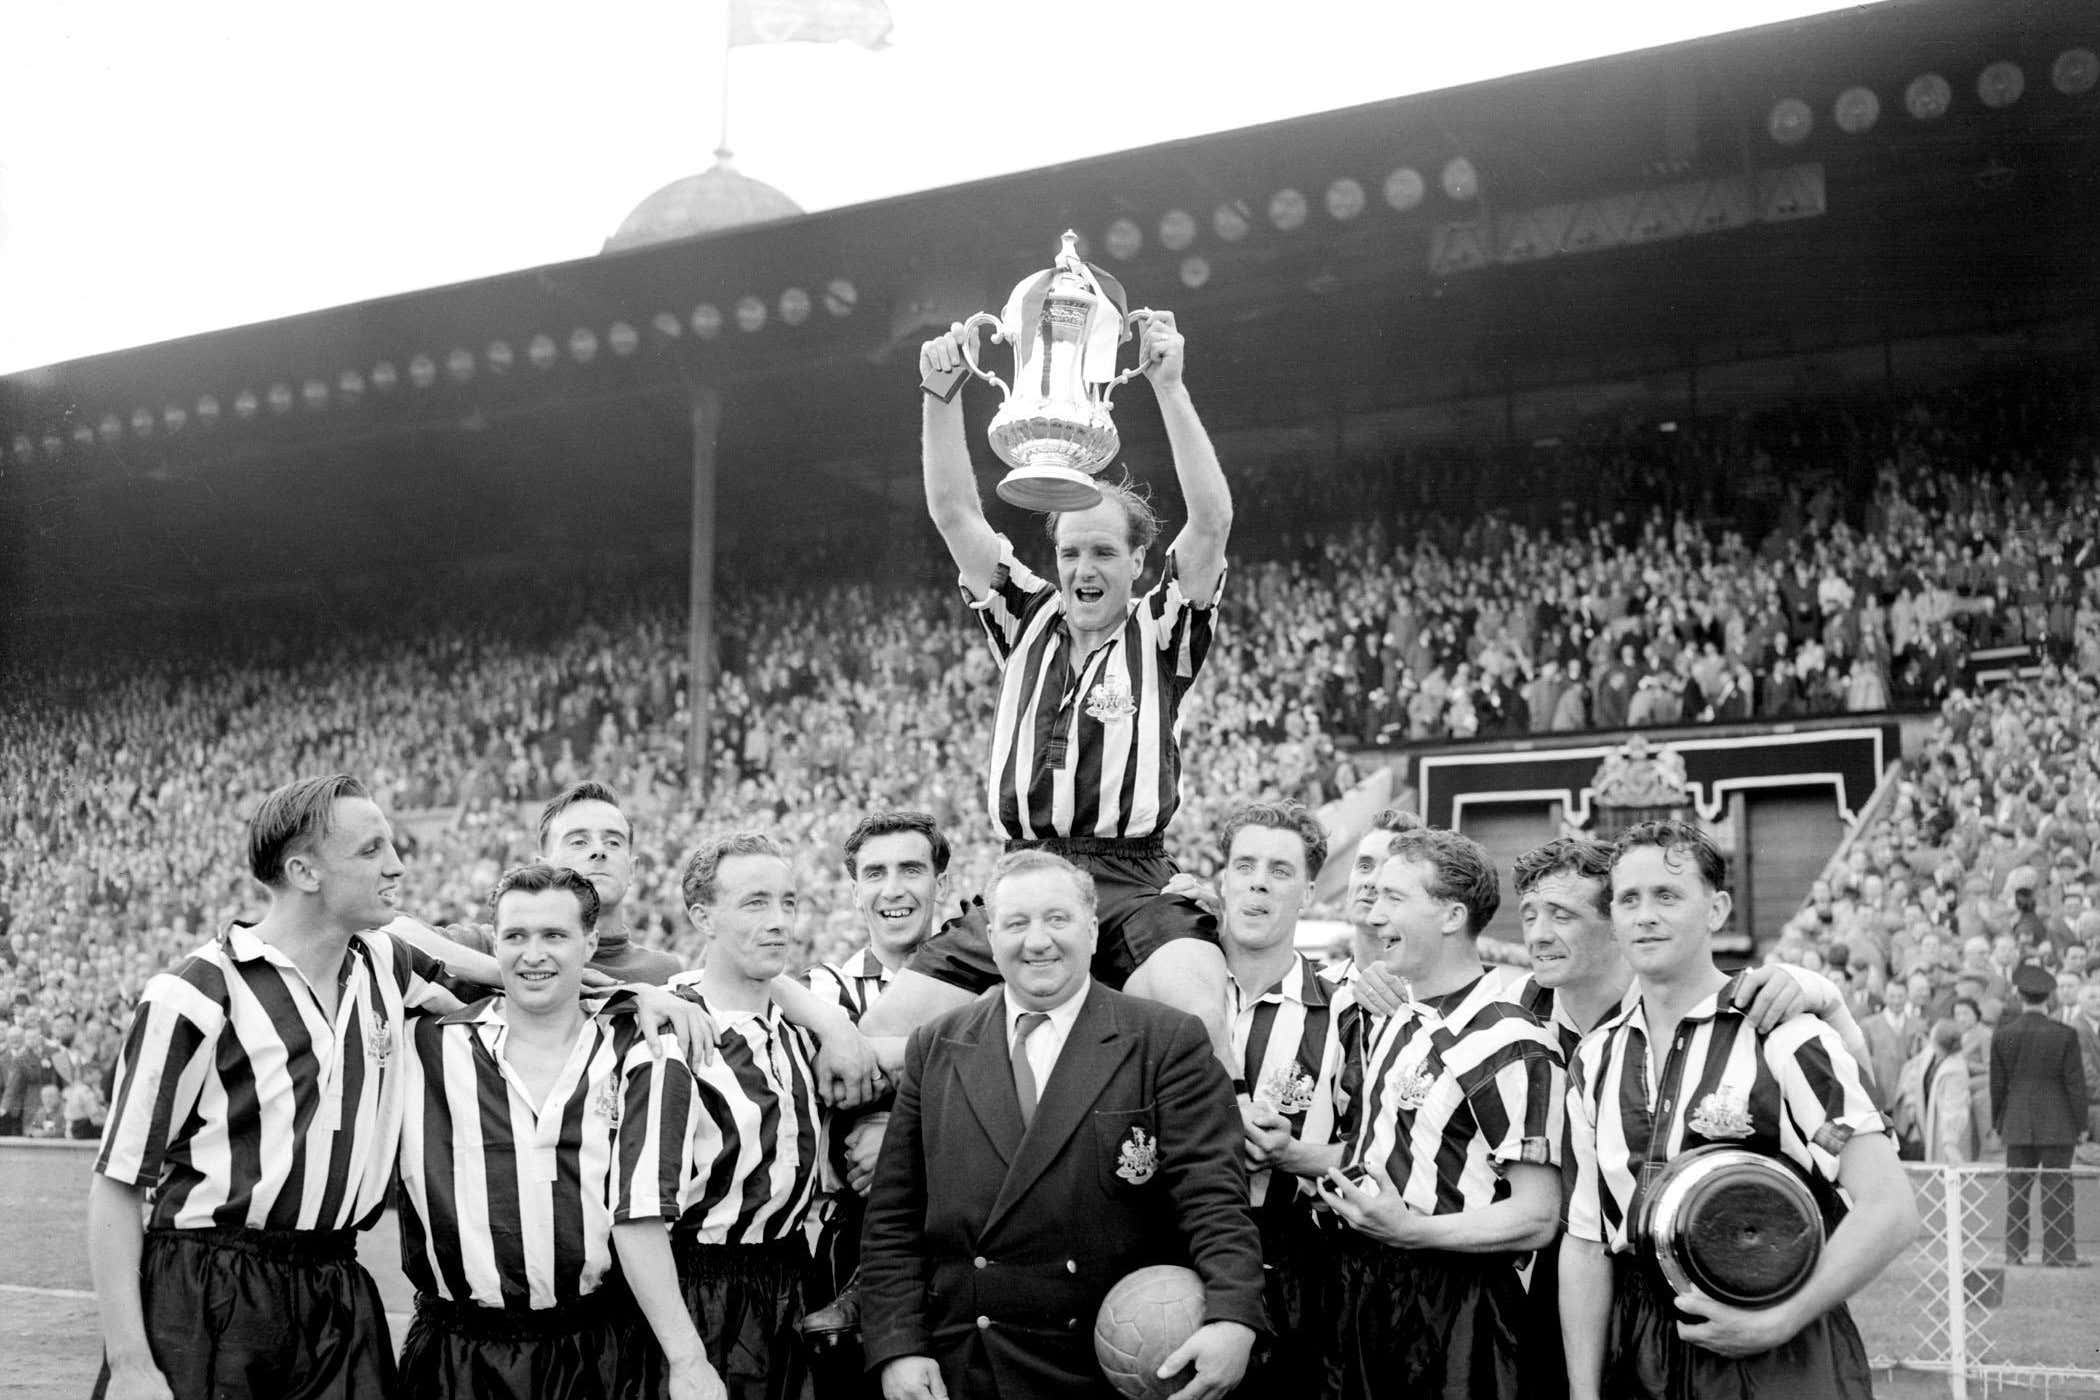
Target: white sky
[173, 166]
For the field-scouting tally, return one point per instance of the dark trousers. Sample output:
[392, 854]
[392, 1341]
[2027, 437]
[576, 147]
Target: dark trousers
[269, 1314]
[2054, 1178]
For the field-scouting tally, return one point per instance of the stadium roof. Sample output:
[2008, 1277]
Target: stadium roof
[1846, 180]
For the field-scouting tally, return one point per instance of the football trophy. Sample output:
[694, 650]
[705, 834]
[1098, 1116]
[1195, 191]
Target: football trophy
[1053, 430]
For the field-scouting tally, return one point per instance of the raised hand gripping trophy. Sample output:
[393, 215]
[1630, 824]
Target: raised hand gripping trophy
[1066, 324]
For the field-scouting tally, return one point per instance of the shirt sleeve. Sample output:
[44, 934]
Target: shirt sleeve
[1823, 1092]
[160, 1075]
[1185, 626]
[656, 1128]
[827, 982]
[1518, 1096]
[1016, 591]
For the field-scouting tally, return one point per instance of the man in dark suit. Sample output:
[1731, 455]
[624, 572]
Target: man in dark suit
[1048, 1139]
[2038, 1108]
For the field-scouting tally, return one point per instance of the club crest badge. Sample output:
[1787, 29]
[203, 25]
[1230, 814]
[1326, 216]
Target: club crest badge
[1411, 1087]
[1288, 1087]
[1110, 700]
[1723, 1114]
[606, 1103]
[1139, 1157]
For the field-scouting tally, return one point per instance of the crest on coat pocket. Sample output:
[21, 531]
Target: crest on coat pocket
[1138, 1157]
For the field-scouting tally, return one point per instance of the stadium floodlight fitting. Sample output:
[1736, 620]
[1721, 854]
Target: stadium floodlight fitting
[1287, 209]
[1123, 239]
[422, 371]
[707, 320]
[142, 422]
[350, 384]
[2000, 84]
[499, 357]
[315, 392]
[794, 306]
[1230, 221]
[1404, 188]
[1928, 97]
[1460, 180]
[583, 345]
[1177, 230]
[1345, 200]
[667, 325]
[111, 427]
[460, 365]
[280, 398]
[83, 435]
[1856, 110]
[621, 337]
[245, 403]
[1195, 271]
[840, 297]
[385, 376]
[1791, 121]
[207, 410]
[2075, 72]
[174, 417]
[750, 314]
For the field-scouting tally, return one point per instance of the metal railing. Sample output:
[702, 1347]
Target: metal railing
[2016, 1324]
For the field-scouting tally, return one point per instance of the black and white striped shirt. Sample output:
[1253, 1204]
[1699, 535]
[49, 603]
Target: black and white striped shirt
[1088, 746]
[239, 1101]
[1794, 1094]
[1285, 1045]
[853, 983]
[508, 1202]
[1457, 1090]
[756, 1146]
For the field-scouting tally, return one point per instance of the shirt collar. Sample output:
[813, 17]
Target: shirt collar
[1061, 1017]
[1292, 986]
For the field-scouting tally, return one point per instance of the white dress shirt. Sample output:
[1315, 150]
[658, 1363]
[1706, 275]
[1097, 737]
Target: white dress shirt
[1049, 1038]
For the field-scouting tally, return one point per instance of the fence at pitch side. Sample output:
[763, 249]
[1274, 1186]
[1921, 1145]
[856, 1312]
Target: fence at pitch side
[2033, 1329]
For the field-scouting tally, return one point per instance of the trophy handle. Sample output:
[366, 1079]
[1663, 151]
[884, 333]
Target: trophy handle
[1144, 314]
[968, 335]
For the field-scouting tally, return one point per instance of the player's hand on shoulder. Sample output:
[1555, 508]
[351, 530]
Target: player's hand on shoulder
[1199, 892]
[661, 1012]
[913, 1378]
[1769, 997]
[1379, 989]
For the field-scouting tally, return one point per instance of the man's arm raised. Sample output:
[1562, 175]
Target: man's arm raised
[1199, 550]
[951, 484]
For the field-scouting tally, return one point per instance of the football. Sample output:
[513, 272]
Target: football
[1142, 1320]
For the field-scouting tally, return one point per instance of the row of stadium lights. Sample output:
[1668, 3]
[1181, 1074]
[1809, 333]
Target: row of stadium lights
[706, 322]
[1289, 210]
[1855, 111]
[1929, 96]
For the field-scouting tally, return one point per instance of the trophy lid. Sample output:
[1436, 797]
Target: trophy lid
[1072, 275]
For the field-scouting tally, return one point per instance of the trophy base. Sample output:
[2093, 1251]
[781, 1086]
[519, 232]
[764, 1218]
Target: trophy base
[1049, 489]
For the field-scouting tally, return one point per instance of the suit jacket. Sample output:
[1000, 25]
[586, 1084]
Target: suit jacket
[2037, 1082]
[1888, 1047]
[990, 1249]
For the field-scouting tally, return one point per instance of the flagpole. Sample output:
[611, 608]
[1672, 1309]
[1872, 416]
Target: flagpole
[722, 131]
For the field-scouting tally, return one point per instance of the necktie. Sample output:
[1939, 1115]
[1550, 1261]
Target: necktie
[1024, 1073]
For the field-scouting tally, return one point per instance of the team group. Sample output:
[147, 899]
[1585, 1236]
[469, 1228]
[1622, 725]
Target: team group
[1404, 1174]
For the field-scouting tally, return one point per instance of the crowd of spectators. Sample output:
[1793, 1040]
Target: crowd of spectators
[1636, 582]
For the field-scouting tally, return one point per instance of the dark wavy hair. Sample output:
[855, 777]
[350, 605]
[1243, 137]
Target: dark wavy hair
[295, 818]
[1463, 874]
[888, 823]
[1588, 860]
[537, 877]
[1286, 814]
[696, 882]
[1677, 838]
